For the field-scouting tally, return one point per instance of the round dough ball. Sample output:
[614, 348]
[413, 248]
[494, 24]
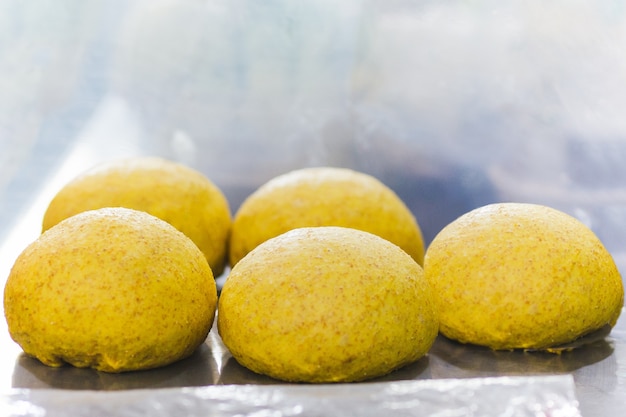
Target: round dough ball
[324, 196]
[181, 196]
[113, 289]
[326, 304]
[512, 275]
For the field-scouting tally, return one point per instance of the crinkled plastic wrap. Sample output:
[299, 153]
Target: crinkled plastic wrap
[540, 396]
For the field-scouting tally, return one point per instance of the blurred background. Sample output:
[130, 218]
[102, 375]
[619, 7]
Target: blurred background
[453, 104]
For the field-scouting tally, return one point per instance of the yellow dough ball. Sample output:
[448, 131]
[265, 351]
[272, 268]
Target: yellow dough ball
[181, 196]
[324, 196]
[113, 289]
[512, 275]
[326, 304]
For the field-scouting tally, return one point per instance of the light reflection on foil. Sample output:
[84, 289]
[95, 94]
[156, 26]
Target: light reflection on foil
[543, 396]
[22, 408]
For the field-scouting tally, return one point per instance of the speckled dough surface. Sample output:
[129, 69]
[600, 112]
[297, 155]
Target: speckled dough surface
[326, 304]
[113, 289]
[522, 276]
